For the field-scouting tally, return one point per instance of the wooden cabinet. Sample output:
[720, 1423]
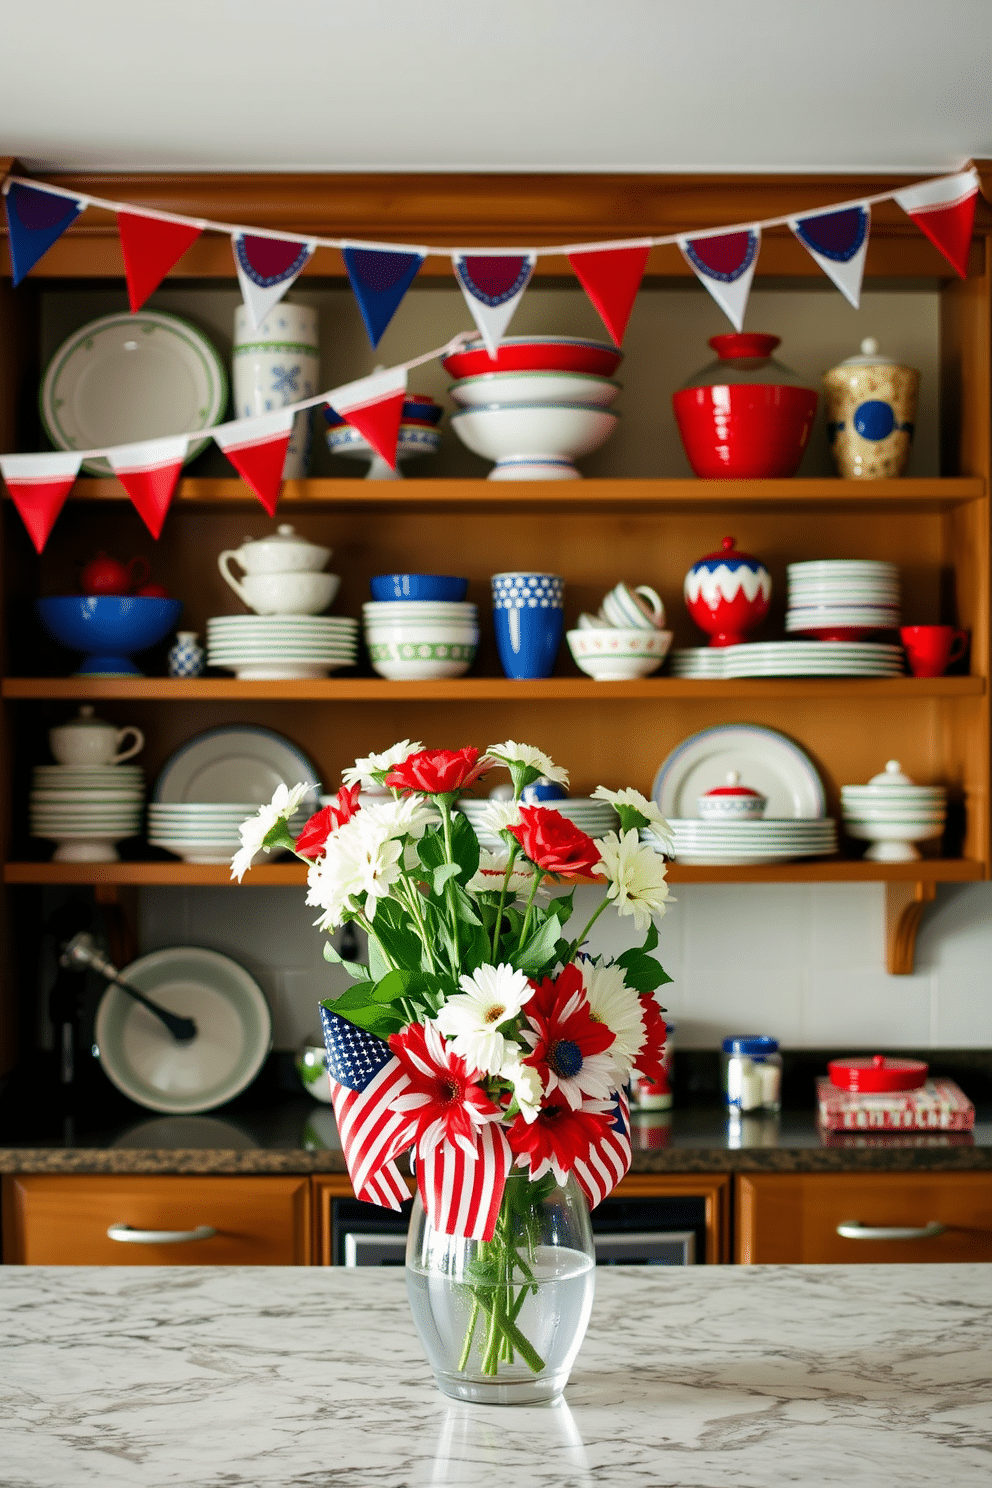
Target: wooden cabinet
[97, 1220]
[857, 1218]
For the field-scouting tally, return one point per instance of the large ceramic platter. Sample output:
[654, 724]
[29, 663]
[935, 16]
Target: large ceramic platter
[236, 764]
[234, 1031]
[124, 378]
[766, 760]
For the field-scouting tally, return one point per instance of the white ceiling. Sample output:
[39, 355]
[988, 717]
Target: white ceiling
[532, 85]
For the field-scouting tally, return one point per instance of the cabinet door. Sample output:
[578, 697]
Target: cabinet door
[73, 1221]
[863, 1217]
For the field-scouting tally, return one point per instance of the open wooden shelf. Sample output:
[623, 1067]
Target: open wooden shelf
[928, 493]
[480, 689]
[270, 875]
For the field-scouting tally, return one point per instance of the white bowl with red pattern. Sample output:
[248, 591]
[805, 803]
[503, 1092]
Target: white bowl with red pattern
[617, 655]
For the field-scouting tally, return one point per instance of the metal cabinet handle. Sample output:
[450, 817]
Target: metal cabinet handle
[125, 1233]
[853, 1229]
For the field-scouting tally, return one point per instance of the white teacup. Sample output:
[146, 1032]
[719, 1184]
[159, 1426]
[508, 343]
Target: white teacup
[592, 622]
[86, 741]
[284, 593]
[625, 608]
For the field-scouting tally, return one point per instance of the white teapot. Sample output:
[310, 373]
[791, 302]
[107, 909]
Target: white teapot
[86, 741]
[284, 552]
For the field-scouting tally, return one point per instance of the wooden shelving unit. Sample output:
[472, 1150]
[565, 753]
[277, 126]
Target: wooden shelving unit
[936, 528]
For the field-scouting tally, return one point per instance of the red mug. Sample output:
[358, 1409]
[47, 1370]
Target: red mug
[930, 649]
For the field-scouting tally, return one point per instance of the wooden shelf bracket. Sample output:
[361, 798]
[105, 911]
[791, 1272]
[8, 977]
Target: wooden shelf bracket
[904, 906]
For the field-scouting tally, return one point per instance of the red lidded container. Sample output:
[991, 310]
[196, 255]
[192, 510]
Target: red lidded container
[874, 1074]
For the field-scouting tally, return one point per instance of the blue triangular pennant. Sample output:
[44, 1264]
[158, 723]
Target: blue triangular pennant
[380, 277]
[35, 220]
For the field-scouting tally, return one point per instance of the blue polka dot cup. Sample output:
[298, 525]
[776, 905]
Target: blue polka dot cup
[528, 617]
[871, 413]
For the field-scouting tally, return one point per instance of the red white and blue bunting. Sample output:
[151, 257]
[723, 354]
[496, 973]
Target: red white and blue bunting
[493, 280]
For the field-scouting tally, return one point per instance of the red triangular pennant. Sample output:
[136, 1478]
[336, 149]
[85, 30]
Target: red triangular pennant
[149, 472]
[257, 450]
[944, 210]
[611, 279]
[151, 248]
[38, 486]
[374, 406]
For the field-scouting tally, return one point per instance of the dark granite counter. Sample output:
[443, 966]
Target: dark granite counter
[276, 1128]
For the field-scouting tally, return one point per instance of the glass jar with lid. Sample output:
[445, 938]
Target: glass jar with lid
[752, 1074]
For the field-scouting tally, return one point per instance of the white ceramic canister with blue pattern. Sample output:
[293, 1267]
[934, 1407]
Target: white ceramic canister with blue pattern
[871, 414]
[528, 618]
[276, 364]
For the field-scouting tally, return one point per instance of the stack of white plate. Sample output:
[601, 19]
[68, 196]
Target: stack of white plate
[792, 659]
[595, 818]
[829, 598]
[86, 809]
[203, 833]
[281, 647]
[727, 843]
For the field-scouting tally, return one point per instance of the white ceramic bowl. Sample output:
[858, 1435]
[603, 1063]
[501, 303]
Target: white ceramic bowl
[420, 661]
[491, 388]
[534, 441]
[616, 655]
[892, 842]
[289, 593]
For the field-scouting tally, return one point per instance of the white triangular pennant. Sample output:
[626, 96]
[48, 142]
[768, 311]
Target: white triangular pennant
[725, 263]
[150, 454]
[242, 433]
[838, 241]
[371, 389]
[267, 268]
[493, 284]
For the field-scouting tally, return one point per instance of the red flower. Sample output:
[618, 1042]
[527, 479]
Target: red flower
[567, 1045]
[553, 843]
[312, 841]
[444, 1095]
[558, 1137]
[438, 772]
[650, 1060]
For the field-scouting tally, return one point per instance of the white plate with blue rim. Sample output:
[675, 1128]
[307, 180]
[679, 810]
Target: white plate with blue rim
[766, 761]
[237, 764]
[234, 1031]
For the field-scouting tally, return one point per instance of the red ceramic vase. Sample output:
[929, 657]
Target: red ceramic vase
[745, 415]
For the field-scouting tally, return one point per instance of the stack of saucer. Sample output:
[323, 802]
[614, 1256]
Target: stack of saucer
[200, 832]
[698, 661]
[86, 810]
[842, 600]
[725, 843]
[790, 659]
[278, 647]
[593, 817]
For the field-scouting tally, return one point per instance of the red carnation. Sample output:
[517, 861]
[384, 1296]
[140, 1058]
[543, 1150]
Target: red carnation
[553, 843]
[650, 1062]
[558, 1137]
[312, 841]
[438, 772]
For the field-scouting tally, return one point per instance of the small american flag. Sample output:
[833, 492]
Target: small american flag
[462, 1196]
[608, 1159]
[365, 1076]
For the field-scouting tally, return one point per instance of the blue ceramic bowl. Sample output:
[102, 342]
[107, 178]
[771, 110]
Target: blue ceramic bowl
[109, 628]
[418, 586]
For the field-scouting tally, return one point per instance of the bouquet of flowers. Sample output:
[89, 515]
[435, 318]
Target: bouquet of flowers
[480, 1036]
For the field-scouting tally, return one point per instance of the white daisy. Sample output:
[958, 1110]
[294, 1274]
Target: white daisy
[637, 811]
[492, 871]
[499, 815]
[362, 862]
[471, 1019]
[612, 1002]
[254, 831]
[370, 770]
[636, 876]
[410, 816]
[526, 1082]
[533, 762]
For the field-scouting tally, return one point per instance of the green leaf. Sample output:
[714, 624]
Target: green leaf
[562, 907]
[442, 875]
[642, 973]
[379, 963]
[474, 945]
[464, 846]
[356, 1006]
[279, 836]
[465, 908]
[430, 849]
[355, 969]
[539, 951]
[398, 940]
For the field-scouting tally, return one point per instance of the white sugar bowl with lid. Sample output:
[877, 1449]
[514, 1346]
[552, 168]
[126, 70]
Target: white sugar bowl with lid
[732, 801]
[892, 812]
[88, 742]
[284, 551]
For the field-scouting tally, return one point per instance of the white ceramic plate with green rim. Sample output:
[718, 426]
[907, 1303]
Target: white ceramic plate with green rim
[234, 1031]
[232, 765]
[124, 378]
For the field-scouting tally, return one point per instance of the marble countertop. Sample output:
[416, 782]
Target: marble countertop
[706, 1377]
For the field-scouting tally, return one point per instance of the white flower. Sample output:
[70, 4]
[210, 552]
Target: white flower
[367, 770]
[470, 1020]
[363, 858]
[499, 815]
[637, 877]
[512, 753]
[612, 1002]
[254, 831]
[633, 801]
[527, 1088]
[410, 816]
[492, 871]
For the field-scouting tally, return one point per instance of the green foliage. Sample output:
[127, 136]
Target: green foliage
[641, 970]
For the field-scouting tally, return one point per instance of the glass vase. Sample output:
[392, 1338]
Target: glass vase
[502, 1320]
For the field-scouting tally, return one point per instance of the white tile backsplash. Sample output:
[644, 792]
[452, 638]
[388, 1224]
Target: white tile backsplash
[805, 962]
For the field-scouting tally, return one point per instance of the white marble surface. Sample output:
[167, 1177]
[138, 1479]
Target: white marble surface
[712, 1377]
